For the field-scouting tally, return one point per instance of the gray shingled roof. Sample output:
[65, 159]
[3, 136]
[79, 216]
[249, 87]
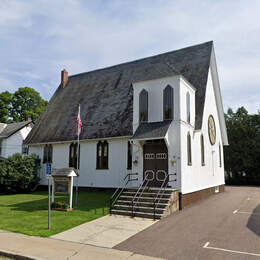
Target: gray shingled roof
[152, 130]
[106, 95]
[12, 128]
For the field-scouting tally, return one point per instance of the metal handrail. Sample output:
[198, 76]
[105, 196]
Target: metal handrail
[158, 193]
[111, 201]
[143, 187]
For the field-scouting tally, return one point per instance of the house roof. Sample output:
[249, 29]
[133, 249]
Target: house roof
[12, 128]
[152, 130]
[106, 95]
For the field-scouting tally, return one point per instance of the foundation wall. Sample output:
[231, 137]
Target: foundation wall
[190, 198]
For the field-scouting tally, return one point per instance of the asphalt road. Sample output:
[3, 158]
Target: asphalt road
[224, 226]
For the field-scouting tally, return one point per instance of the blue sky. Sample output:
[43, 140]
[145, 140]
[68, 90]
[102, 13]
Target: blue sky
[39, 38]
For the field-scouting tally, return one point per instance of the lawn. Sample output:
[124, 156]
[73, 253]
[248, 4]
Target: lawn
[28, 214]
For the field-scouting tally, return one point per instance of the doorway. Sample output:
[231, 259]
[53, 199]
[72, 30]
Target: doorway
[155, 154]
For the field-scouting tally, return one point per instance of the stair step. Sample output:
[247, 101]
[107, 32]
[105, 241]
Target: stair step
[151, 189]
[141, 203]
[143, 198]
[148, 194]
[138, 209]
[137, 214]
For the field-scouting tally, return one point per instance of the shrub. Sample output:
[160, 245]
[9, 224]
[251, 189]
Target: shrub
[60, 205]
[18, 173]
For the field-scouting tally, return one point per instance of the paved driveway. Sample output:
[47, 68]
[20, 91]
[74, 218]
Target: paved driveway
[224, 226]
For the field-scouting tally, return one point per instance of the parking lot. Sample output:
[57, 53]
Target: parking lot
[224, 226]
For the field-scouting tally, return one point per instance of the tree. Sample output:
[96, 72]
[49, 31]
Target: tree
[19, 173]
[5, 106]
[23, 104]
[242, 156]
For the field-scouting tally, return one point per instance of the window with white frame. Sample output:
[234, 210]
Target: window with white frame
[47, 153]
[188, 106]
[143, 106]
[202, 150]
[189, 159]
[168, 103]
[74, 160]
[102, 155]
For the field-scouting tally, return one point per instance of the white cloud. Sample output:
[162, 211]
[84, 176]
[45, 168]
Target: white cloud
[6, 85]
[39, 38]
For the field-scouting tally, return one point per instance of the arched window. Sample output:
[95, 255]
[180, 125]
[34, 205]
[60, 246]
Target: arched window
[143, 106]
[99, 155]
[189, 149]
[188, 106]
[102, 155]
[105, 155]
[202, 150]
[73, 156]
[129, 155]
[220, 156]
[168, 103]
[47, 153]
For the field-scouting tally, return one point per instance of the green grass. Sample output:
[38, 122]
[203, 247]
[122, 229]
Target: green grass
[28, 213]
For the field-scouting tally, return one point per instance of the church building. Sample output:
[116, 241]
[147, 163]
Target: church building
[157, 121]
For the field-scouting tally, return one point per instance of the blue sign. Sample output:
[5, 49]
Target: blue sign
[48, 169]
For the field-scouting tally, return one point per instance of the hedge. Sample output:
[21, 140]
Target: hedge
[19, 173]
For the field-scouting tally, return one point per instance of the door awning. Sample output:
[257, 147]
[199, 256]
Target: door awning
[153, 130]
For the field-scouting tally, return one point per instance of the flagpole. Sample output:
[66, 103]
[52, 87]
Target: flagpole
[77, 188]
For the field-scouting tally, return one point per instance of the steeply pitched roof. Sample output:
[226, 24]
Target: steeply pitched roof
[152, 130]
[12, 128]
[106, 95]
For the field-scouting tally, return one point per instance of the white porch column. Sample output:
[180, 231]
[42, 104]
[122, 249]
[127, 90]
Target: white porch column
[71, 191]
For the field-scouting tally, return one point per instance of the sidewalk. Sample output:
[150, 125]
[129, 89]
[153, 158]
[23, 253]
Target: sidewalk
[107, 231]
[48, 248]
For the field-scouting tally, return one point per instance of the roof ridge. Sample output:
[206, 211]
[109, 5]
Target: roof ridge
[141, 59]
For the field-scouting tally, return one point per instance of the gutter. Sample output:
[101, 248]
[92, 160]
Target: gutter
[84, 140]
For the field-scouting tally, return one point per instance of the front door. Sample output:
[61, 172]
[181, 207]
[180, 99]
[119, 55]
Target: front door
[155, 163]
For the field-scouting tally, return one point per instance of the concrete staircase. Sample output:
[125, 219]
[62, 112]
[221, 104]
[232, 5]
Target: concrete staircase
[167, 203]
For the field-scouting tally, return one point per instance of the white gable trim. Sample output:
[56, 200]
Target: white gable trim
[218, 97]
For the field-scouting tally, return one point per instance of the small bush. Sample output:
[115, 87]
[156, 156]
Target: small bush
[18, 173]
[60, 205]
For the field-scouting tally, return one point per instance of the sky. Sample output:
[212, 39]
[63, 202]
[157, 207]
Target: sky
[39, 38]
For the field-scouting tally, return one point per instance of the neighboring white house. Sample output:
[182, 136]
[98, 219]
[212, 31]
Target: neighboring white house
[160, 117]
[12, 137]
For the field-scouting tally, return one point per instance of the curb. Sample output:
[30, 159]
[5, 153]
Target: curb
[15, 255]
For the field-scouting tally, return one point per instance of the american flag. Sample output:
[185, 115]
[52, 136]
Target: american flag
[79, 123]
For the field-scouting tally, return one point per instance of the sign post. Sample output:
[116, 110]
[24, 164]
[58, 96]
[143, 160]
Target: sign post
[48, 175]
